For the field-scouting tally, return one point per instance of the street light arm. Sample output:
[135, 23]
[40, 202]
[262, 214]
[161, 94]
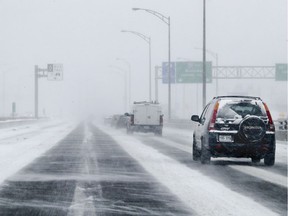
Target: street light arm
[155, 13]
[144, 37]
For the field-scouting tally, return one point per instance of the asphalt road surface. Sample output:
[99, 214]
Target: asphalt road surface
[86, 175]
[102, 171]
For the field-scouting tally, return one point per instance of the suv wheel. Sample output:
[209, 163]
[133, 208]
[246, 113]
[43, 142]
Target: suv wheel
[269, 159]
[205, 156]
[195, 152]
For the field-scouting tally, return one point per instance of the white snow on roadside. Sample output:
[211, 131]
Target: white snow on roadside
[16, 153]
[190, 186]
[15, 130]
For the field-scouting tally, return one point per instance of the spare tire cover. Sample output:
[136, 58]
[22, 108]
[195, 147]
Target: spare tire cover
[252, 129]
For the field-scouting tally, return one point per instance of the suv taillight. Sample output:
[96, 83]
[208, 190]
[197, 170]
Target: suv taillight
[213, 119]
[271, 126]
[161, 119]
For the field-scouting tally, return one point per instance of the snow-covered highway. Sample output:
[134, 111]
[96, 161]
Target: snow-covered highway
[60, 168]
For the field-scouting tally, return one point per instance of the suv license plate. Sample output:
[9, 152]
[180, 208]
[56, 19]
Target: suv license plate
[146, 127]
[225, 138]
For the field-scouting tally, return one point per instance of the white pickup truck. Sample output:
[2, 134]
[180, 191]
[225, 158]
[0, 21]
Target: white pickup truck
[146, 117]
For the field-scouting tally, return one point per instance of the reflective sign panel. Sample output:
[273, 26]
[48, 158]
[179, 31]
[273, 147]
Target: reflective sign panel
[55, 72]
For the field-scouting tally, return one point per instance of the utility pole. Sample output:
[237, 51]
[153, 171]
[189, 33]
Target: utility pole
[36, 92]
[157, 68]
[204, 53]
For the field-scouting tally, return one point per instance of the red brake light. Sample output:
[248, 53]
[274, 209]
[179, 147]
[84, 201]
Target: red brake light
[213, 119]
[271, 124]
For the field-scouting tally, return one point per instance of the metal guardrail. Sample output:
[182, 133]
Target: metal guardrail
[281, 124]
[281, 129]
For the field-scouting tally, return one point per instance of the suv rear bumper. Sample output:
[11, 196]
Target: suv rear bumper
[240, 148]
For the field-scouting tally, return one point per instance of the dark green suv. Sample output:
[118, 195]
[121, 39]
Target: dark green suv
[234, 126]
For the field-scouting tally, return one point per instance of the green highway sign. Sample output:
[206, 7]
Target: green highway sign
[191, 72]
[281, 72]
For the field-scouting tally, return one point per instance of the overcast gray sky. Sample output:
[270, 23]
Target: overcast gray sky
[86, 37]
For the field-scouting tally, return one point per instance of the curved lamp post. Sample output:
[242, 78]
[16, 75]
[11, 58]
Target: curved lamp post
[148, 40]
[166, 20]
[204, 53]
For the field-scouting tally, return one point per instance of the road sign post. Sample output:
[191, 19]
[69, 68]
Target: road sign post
[53, 72]
[13, 109]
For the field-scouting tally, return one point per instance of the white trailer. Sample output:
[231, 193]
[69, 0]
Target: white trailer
[146, 117]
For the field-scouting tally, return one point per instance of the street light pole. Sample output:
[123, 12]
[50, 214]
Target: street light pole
[166, 20]
[169, 71]
[36, 92]
[204, 53]
[157, 68]
[148, 40]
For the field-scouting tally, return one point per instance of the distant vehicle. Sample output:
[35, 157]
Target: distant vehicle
[114, 120]
[146, 117]
[107, 120]
[234, 126]
[122, 121]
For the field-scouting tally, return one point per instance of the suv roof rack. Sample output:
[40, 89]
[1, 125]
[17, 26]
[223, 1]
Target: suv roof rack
[237, 96]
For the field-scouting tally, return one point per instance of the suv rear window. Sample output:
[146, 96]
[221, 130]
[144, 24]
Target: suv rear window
[231, 109]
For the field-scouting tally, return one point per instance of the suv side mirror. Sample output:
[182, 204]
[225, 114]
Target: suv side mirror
[195, 118]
